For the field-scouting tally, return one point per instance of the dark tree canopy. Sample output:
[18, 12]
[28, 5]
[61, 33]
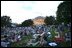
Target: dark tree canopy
[5, 21]
[64, 12]
[49, 20]
[28, 22]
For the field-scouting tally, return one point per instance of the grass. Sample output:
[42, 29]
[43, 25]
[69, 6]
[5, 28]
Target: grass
[64, 44]
[22, 42]
[53, 34]
[25, 39]
[61, 44]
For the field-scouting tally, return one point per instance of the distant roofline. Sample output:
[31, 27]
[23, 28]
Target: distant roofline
[40, 17]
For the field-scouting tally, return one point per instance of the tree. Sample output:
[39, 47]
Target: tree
[5, 21]
[28, 22]
[52, 20]
[46, 20]
[64, 12]
[49, 20]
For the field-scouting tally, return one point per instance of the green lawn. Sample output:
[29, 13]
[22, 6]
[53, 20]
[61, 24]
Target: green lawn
[65, 44]
[61, 44]
[21, 43]
[25, 39]
[53, 34]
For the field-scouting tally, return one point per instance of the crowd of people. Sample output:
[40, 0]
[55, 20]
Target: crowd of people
[15, 34]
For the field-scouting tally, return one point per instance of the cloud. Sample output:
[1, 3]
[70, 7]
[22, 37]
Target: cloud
[23, 10]
[46, 7]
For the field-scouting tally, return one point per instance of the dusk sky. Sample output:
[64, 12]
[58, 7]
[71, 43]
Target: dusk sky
[23, 10]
